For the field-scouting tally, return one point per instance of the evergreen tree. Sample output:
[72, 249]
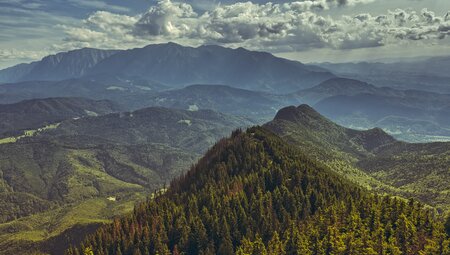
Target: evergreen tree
[275, 246]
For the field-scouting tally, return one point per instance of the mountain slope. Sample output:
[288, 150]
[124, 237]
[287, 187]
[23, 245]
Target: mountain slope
[193, 130]
[254, 194]
[413, 170]
[88, 170]
[251, 104]
[334, 87]
[61, 66]
[123, 138]
[37, 113]
[14, 73]
[130, 93]
[310, 130]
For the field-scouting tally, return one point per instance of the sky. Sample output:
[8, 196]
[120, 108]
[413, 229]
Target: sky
[304, 30]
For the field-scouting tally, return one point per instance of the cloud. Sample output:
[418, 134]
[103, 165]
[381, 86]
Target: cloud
[209, 4]
[158, 20]
[294, 26]
[102, 29]
[29, 28]
[99, 5]
[23, 3]
[25, 55]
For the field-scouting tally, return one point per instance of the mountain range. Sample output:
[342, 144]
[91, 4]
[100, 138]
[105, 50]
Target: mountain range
[250, 84]
[409, 115]
[177, 66]
[61, 66]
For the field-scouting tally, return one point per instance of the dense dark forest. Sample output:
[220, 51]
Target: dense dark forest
[254, 194]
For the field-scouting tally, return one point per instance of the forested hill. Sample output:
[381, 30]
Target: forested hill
[36, 113]
[321, 137]
[254, 194]
[372, 158]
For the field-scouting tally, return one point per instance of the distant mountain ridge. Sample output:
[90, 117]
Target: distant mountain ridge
[191, 130]
[129, 93]
[411, 115]
[36, 113]
[351, 87]
[175, 65]
[429, 74]
[333, 87]
[61, 66]
[255, 105]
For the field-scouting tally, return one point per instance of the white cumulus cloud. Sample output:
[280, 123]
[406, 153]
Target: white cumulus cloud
[296, 26]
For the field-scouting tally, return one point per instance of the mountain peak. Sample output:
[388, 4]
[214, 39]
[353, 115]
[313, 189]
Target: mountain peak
[338, 84]
[307, 109]
[168, 44]
[372, 138]
[302, 113]
[308, 127]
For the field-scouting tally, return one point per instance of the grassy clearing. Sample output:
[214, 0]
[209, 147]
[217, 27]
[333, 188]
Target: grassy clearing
[91, 179]
[42, 226]
[8, 140]
[28, 133]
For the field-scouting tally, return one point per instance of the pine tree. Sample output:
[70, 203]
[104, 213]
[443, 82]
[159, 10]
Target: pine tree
[175, 251]
[137, 252]
[447, 225]
[225, 247]
[258, 247]
[276, 246]
[246, 247]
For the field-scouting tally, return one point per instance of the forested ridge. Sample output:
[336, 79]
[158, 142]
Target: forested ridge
[370, 158]
[254, 194]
